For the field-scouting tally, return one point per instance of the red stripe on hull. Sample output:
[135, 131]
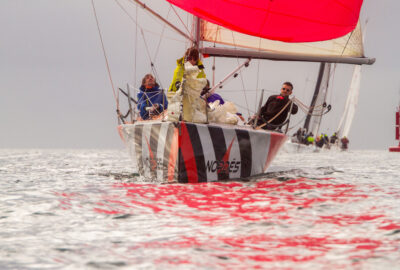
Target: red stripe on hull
[188, 154]
[120, 133]
[173, 156]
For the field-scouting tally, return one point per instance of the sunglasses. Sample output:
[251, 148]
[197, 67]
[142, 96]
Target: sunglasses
[286, 89]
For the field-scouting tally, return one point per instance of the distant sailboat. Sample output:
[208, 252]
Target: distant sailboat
[313, 120]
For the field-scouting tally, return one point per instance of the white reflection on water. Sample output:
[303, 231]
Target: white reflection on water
[86, 210]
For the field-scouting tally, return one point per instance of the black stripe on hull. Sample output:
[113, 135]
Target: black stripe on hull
[245, 152]
[138, 148]
[182, 174]
[198, 152]
[219, 145]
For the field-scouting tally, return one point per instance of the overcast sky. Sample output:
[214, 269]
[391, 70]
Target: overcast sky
[55, 93]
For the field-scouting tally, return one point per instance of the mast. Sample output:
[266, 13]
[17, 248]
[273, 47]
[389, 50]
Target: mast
[197, 23]
[315, 96]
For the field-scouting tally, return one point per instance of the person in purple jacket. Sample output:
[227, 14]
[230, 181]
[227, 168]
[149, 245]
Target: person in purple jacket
[211, 97]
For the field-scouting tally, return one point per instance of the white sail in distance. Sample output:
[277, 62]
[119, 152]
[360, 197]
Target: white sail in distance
[351, 103]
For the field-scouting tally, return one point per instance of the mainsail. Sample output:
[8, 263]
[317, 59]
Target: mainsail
[319, 109]
[349, 45]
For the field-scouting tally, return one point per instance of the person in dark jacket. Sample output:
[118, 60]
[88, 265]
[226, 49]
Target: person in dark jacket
[345, 143]
[151, 99]
[273, 114]
[333, 138]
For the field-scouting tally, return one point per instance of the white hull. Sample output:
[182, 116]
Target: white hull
[190, 152]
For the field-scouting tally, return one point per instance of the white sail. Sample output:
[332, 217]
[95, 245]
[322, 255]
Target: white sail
[351, 103]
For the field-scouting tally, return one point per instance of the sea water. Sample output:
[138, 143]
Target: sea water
[87, 209]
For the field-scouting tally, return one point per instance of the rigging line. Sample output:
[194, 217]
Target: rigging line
[240, 106]
[156, 15]
[153, 68]
[214, 43]
[317, 112]
[276, 115]
[140, 101]
[298, 102]
[245, 96]
[141, 29]
[161, 37]
[136, 30]
[314, 114]
[247, 90]
[332, 77]
[298, 123]
[241, 77]
[134, 116]
[347, 42]
[183, 23]
[144, 40]
[138, 25]
[258, 74]
[106, 59]
[151, 103]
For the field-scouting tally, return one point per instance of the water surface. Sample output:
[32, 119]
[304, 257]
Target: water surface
[87, 209]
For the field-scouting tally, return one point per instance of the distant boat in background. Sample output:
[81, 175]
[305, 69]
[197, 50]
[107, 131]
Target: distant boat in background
[397, 148]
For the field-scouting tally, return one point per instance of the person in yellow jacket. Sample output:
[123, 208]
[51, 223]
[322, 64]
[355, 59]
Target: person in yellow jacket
[192, 56]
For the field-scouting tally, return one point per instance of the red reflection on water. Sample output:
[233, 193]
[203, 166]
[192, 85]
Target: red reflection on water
[214, 202]
[274, 206]
[270, 248]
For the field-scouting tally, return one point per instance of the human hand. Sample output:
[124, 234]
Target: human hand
[154, 108]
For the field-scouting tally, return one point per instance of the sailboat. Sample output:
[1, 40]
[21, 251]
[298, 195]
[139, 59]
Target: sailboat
[183, 150]
[319, 107]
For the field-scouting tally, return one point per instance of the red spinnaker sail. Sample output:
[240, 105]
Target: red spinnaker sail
[284, 20]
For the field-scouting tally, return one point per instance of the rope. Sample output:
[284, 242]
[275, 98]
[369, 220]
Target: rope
[161, 37]
[106, 59]
[273, 118]
[148, 98]
[135, 64]
[258, 75]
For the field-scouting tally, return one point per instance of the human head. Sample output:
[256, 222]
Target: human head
[192, 55]
[287, 89]
[148, 81]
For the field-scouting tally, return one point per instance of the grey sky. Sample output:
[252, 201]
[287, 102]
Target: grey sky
[55, 93]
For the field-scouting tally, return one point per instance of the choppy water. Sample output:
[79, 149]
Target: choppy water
[86, 210]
